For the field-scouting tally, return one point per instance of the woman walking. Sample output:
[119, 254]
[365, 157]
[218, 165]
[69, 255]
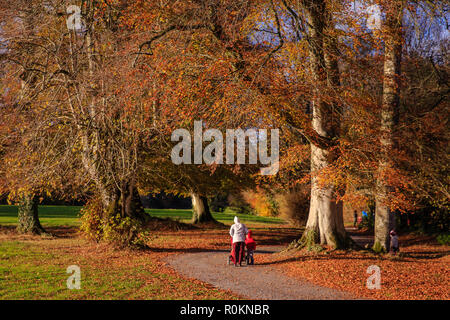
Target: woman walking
[238, 232]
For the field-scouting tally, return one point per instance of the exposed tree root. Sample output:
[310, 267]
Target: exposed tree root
[310, 241]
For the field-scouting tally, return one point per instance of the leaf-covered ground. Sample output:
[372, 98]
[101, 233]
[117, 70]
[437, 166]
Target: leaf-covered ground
[35, 268]
[421, 271]
[32, 267]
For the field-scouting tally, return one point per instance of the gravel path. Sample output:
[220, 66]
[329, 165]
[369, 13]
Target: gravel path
[253, 282]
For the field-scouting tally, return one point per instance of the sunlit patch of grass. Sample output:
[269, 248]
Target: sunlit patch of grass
[224, 217]
[25, 271]
[49, 216]
[36, 269]
[32, 267]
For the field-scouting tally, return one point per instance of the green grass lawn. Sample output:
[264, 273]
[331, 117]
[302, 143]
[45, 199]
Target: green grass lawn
[48, 215]
[35, 268]
[69, 216]
[224, 217]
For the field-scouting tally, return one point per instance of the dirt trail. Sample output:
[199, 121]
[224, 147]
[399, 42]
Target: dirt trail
[252, 282]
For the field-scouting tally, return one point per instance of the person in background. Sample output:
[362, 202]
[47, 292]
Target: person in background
[238, 232]
[394, 242]
[359, 221]
[251, 247]
[364, 215]
[355, 218]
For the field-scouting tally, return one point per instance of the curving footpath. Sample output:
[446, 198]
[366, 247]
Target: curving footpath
[251, 282]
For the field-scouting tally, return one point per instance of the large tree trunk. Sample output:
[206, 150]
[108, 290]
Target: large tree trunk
[28, 220]
[200, 209]
[28, 215]
[325, 223]
[125, 218]
[325, 220]
[384, 217]
[126, 202]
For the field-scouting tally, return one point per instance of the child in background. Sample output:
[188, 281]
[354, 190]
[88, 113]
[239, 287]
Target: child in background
[359, 221]
[394, 242]
[251, 247]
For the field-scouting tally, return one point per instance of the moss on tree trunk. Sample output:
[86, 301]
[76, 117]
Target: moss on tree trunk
[28, 215]
[119, 219]
[126, 202]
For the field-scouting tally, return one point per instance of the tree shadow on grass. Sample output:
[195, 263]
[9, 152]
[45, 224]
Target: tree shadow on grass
[51, 232]
[64, 232]
[403, 257]
[205, 250]
[7, 229]
[311, 257]
[184, 250]
[262, 236]
[421, 240]
[426, 255]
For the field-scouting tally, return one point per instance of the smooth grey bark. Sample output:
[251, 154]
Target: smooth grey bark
[325, 220]
[200, 209]
[384, 217]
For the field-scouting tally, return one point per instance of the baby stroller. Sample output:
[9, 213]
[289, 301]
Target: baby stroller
[230, 256]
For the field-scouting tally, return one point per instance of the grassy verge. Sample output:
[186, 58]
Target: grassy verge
[224, 217]
[32, 267]
[68, 216]
[36, 269]
[48, 215]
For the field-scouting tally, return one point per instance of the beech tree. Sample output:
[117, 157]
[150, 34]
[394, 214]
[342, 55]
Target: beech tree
[74, 81]
[28, 220]
[396, 151]
[313, 24]
[325, 220]
[28, 215]
[197, 62]
[95, 104]
[200, 182]
[384, 216]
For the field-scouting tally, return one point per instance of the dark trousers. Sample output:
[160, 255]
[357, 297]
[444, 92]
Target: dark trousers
[250, 257]
[238, 252]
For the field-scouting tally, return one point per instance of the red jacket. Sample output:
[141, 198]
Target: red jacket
[250, 242]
